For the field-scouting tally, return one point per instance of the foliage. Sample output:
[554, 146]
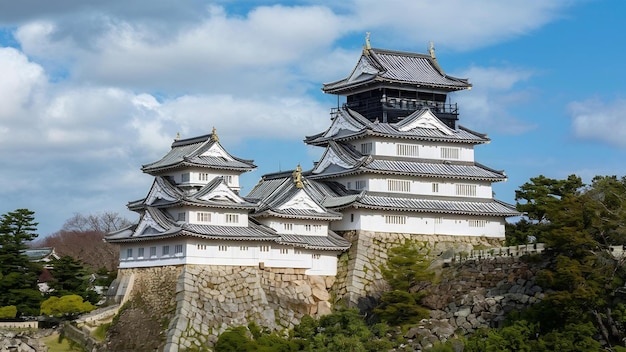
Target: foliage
[18, 286]
[407, 273]
[65, 306]
[8, 312]
[71, 278]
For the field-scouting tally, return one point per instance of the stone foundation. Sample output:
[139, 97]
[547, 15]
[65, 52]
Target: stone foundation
[359, 279]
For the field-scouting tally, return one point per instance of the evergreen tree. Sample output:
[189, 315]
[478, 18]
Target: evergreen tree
[19, 276]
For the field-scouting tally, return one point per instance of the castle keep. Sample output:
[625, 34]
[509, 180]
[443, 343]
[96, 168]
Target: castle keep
[396, 166]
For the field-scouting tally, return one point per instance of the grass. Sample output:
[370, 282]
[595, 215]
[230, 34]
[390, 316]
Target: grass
[53, 344]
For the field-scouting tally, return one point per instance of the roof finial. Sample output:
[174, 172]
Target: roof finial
[367, 41]
[214, 136]
[297, 177]
[431, 50]
[177, 136]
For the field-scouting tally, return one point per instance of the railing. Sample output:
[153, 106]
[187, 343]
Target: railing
[407, 104]
[499, 252]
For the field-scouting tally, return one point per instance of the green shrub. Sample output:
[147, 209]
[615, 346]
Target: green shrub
[8, 312]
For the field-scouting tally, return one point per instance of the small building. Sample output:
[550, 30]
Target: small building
[193, 214]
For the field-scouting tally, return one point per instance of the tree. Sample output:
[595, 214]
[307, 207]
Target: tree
[104, 222]
[19, 276]
[71, 278]
[65, 306]
[537, 197]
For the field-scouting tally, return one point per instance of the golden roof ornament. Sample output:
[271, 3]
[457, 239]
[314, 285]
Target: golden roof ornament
[214, 136]
[297, 177]
[177, 136]
[431, 50]
[367, 46]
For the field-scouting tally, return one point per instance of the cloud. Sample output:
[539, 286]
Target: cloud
[601, 121]
[21, 83]
[494, 95]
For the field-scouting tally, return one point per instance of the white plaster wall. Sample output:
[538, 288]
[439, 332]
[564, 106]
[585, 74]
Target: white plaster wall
[240, 253]
[298, 226]
[427, 150]
[427, 224]
[424, 186]
[194, 176]
[218, 216]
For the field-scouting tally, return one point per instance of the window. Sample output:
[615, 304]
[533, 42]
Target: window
[140, 253]
[297, 251]
[243, 248]
[349, 186]
[360, 184]
[152, 252]
[232, 218]
[203, 217]
[165, 250]
[395, 219]
[351, 217]
[228, 179]
[178, 249]
[222, 248]
[201, 246]
[288, 227]
[184, 177]
[181, 216]
[407, 150]
[477, 223]
[435, 188]
[203, 176]
[284, 251]
[449, 153]
[366, 148]
[466, 190]
[307, 228]
[264, 248]
[399, 186]
[129, 253]
[317, 228]
[439, 220]
[316, 256]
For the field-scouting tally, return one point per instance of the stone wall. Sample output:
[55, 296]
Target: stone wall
[476, 294]
[211, 299]
[359, 279]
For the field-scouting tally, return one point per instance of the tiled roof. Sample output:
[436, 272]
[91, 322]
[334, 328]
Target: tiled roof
[330, 242]
[378, 65]
[488, 207]
[188, 153]
[349, 125]
[355, 162]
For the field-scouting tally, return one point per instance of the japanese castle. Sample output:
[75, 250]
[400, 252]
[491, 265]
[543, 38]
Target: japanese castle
[395, 160]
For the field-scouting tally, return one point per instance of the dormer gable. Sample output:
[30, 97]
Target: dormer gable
[423, 119]
[148, 226]
[301, 201]
[363, 67]
[220, 193]
[161, 191]
[217, 151]
[334, 156]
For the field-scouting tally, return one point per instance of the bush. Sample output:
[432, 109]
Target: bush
[8, 312]
[66, 305]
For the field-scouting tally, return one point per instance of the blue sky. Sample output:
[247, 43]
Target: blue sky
[92, 90]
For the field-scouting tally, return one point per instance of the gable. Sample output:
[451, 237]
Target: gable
[424, 119]
[217, 151]
[301, 201]
[222, 193]
[341, 123]
[362, 68]
[157, 192]
[148, 226]
[329, 158]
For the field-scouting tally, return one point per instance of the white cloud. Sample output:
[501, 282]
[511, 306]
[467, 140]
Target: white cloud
[495, 93]
[601, 121]
[20, 83]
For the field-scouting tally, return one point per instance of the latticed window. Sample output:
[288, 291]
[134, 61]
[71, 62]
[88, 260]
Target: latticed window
[232, 218]
[288, 227]
[477, 223]
[178, 249]
[360, 184]
[407, 149]
[152, 252]
[165, 250]
[466, 190]
[264, 248]
[395, 219]
[450, 153]
[140, 252]
[222, 248]
[204, 176]
[203, 217]
[399, 186]
[366, 148]
[438, 220]
[435, 188]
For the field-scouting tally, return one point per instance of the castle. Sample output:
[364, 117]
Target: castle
[395, 161]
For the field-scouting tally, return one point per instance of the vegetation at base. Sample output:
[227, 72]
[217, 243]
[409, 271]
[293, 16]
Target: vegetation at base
[8, 312]
[55, 343]
[584, 302]
[406, 271]
[69, 305]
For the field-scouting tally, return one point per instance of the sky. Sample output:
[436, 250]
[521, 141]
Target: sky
[91, 90]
